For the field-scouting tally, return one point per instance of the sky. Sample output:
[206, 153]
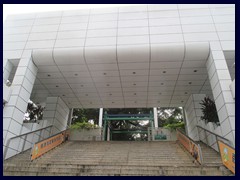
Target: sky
[33, 8]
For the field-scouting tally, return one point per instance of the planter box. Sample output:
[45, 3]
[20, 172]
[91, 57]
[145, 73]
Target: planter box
[86, 135]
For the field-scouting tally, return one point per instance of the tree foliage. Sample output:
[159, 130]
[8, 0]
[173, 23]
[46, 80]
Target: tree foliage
[83, 115]
[129, 110]
[169, 116]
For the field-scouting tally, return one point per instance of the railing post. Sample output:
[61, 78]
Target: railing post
[200, 154]
[199, 135]
[24, 143]
[6, 149]
[206, 137]
[218, 144]
[40, 134]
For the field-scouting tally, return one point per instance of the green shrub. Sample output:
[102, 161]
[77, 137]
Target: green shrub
[174, 126]
[82, 125]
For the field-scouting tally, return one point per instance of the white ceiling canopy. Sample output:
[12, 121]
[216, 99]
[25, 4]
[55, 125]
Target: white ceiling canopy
[162, 75]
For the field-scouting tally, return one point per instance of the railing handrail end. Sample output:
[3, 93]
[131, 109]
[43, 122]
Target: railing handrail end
[29, 132]
[18, 136]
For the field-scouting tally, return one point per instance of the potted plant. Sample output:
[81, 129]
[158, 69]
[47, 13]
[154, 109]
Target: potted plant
[34, 113]
[209, 111]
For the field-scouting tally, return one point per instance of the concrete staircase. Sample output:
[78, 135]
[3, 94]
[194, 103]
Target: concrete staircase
[210, 156]
[116, 158]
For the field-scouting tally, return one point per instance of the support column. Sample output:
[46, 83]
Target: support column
[220, 81]
[152, 125]
[105, 130]
[100, 117]
[184, 120]
[104, 126]
[14, 110]
[193, 115]
[108, 134]
[56, 114]
[7, 68]
[155, 117]
[70, 117]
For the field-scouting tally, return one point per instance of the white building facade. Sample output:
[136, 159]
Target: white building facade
[163, 55]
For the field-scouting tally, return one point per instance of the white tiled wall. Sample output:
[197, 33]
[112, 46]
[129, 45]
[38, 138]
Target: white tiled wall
[160, 23]
[220, 81]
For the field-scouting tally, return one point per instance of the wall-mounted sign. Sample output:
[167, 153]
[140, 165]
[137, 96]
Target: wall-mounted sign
[46, 145]
[227, 155]
[189, 145]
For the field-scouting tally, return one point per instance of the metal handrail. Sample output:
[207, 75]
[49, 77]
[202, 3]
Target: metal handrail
[128, 115]
[19, 136]
[186, 135]
[216, 135]
[51, 136]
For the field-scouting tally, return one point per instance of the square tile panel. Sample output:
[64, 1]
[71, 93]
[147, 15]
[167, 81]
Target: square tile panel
[102, 54]
[133, 66]
[141, 72]
[103, 74]
[133, 53]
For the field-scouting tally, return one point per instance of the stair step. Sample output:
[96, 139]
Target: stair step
[117, 171]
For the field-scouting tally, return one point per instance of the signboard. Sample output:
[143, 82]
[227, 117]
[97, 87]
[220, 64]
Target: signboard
[44, 146]
[183, 140]
[159, 135]
[189, 145]
[227, 155]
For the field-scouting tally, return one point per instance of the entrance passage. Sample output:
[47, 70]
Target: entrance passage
[109, 131]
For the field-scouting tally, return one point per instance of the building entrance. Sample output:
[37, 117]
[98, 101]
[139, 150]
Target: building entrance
[109, 130]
